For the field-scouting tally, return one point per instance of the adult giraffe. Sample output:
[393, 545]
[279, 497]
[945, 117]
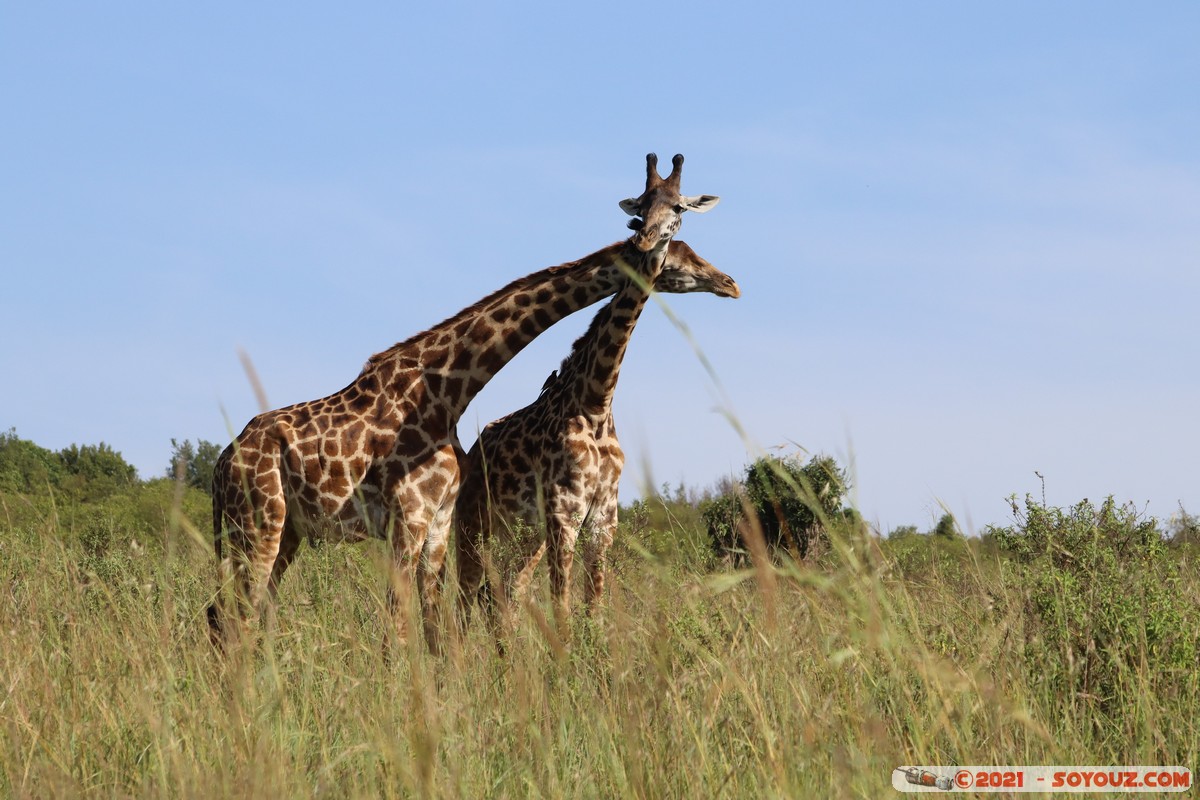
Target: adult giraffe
[380, 458]
[546, 476]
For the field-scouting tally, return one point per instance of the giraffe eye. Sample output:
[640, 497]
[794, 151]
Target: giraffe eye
[679, 209]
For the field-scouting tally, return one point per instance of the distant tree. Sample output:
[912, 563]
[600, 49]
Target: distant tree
[26, 467]
[95, 471]
[97, 462]
[721, 515]
[1183, 529]
[197, 462]
[791, 500]
[947, 528]
[901, 531]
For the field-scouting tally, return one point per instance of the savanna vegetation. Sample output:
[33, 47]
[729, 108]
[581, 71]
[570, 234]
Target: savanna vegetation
[758, 642]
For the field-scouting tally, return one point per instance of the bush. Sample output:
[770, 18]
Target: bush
[791, 501]
[26, 467]
[1104, 610]
[95, 471]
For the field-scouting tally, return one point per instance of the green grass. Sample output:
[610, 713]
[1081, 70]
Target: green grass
[785, 681]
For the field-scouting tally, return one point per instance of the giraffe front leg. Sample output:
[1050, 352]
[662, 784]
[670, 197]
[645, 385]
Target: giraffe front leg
[469, 536]
[561, 533]
[431, 577]
[518, 579]
[405, 534]
[401, 572]
[413, 518]
[597, 541]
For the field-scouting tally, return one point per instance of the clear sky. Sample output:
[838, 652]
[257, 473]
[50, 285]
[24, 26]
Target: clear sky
[967, 234]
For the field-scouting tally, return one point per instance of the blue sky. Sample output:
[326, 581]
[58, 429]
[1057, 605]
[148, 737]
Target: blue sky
[967, 236]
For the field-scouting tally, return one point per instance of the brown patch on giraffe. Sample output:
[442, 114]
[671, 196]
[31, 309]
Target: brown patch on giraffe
[490, 361]
[435, 357]
[462, 360]
[626, 303]
[336, 483]
[434, 484]
[378, 444]
[513, 340]
[352, 433]
[384, 415]
[312, 471]
[368, 383]
[411, 440]
[482, 334]
[359, 402]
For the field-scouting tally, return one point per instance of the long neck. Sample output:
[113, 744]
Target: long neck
[459, 356]
[589, 374]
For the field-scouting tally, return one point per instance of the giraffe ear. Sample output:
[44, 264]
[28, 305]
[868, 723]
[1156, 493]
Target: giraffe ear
[699, 203]
[630, 206]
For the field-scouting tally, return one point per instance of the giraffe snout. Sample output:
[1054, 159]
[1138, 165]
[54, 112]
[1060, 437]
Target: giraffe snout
[728, 288]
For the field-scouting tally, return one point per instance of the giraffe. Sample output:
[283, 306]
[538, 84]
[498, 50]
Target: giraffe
[542, 477]
[380, 458]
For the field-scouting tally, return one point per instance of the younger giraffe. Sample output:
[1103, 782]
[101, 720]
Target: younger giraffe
[547, 474]
[380, 458]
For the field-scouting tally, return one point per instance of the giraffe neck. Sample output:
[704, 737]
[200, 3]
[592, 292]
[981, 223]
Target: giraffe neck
[588, 375]
[457, 357]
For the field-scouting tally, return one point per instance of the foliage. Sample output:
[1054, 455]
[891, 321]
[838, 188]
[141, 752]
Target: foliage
[94, 472]
[683, 684]
[195, 461]
[792, 503]
[798, 679]
[89, 472]
[1183, 529]
[26, 467]
[946, 528]
[1105, 610]
[721, 515]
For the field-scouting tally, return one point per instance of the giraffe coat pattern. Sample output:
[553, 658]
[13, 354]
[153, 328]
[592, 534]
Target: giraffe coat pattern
[380, 458]
[546, 476]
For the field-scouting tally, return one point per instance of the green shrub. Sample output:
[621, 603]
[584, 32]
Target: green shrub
[1104, 609]
[25, 467]
[792, 501]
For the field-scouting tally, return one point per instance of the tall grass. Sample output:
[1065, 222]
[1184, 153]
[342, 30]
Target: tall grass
[812, 680]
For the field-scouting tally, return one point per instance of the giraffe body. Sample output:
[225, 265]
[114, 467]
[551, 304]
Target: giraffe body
[544, 478]
[380, 458]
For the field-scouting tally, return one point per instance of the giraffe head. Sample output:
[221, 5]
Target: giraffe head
[685, 271]
[658, 209]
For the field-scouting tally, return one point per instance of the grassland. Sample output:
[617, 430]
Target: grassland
[694, 680]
